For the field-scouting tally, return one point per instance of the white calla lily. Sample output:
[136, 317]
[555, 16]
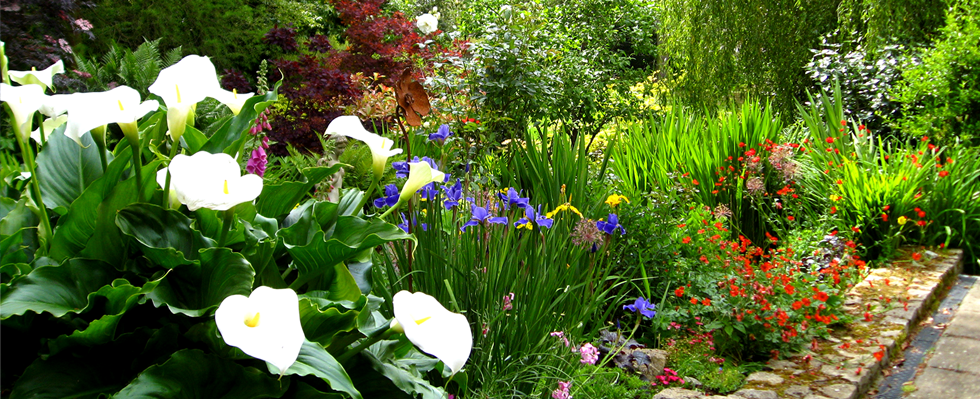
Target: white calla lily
[433, 329]
[87, 111]
[183, 85]
[212, 181]
[49, 125]
[41, 78]
[381, 148]
[24, 101]
[419, 174]
[264, 325]
[233, 99]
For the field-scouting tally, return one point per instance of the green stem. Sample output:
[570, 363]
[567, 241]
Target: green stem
[646, 280]
[390, 210]
[368, 194]
[366, 343]
[28, 152]
[99, 135]
[138, 168]
[228, 218]
[166, 185]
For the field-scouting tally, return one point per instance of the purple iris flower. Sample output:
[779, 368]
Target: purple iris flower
[610, 226]
[441, 135]
[539, 219]
[404, 224]
[480, 215]
[389, 199]
[401, 167]
[429, 192]
[454, 194]
[513, 198]
[642, 307]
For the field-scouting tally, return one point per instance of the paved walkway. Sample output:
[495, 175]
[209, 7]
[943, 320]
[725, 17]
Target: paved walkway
[953, 371]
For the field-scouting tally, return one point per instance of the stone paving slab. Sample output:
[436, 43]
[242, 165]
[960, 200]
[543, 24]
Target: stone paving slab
[964, 326]
[957, 354]
[944, 384]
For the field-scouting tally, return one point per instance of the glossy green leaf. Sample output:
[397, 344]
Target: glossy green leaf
[278, 199]
[56, 289]
[305, 221]
[302, 390]
[316, 361]
[60, 377]
[193, 139]
[229, 138]
[107, 241]
[405, 371]
[321, 324]
[193, 290]
[65, 169]
[192, 374]
[210, 223]
[18, 217]
[166, 235]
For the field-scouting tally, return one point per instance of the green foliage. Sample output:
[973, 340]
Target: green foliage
[886, 22]
[721, 50]
[134, 68]
[603, 382]
[231, 31]
[941, 96]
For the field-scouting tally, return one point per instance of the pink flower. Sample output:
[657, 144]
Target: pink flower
[590, 354]
[562, 391]
[507, 301]
[83, 24]
[256, 164]
[561, 334]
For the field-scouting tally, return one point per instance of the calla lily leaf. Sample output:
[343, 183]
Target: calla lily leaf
[316, 361]
[166, 236]
[193, 290]
[66, 169]
[321, 325]
[278, 199]
[82, 380]
[58, 290]
[230, 136]
[192, 374]
[405, 371]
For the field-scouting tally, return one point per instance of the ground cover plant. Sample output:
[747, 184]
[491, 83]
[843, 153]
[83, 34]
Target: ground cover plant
[597, 198]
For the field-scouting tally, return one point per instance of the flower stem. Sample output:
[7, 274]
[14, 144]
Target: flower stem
[138, 168]
[368, 194]
[99, 135]
[366, 343]
[166, 186]
[390, 210]
[28, 153]
[228, 218]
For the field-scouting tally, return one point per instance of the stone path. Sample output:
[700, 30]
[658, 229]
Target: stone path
[953, 371]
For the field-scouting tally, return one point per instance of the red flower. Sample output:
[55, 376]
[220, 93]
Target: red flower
[704, 259]
[833, 209]
[943, 173]
[921, 223]
[916, 256]
[830, 140]
[706, 302]
[884, 217]
[867, 316]
[789, 289]
[679, 291]
[797, 305]
[843, 123]
[821, 296]
[694, 301]
[790, 218]
[696, 182]
[839, 181]
[686, 240]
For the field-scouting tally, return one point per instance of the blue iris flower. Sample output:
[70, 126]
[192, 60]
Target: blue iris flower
[537, 217]
[441, 135]
[481, 215]
[389, 199]
[610, 226]
[642, 307]
[401, 167]
[404, 224]
[513, 198]
[454, 194]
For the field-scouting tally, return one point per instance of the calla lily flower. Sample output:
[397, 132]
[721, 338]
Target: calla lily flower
[232, 99]
[183, 85]
[24, 101]
[350, 126]
[433, 329]
[49, 125]
[420, 174]
[121, 105]
[40, 78]
[264, 325]
[212, 181]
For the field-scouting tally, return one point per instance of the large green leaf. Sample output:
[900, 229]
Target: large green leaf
[107, 241]
[65, 169]
[18, 216]
[192, 374]
[18, 232]
[278, 199]
[193, 290]
[321, 324]
[230, 136]
[304, 222]
[77, 226]
[56, 289]
[193, 139]
[59, 377]
[316, 361]
[404, 365]
[210, 223]
[166, 235]
[302, 390]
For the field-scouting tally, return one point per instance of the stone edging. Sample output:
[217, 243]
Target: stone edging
[899, 297]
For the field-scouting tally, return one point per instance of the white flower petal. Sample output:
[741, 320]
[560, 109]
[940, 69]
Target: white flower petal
[212, 181]
[24, 101]
[381, 147]
[276, 334]
[420, 174]
[427, 23]
[235, 101]
[40, 78]
[433, 328]
[187, 82]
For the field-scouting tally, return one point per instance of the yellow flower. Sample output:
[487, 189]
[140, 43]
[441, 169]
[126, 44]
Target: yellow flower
[563, 207]
[902, 220]
[615, 199]
[835, 197]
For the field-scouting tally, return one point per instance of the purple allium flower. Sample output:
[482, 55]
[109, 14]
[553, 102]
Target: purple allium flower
[256, 164]
[610, 226]
[390, 197]
[590, 354]
[642, 307]
[481, 215]
[441, 135]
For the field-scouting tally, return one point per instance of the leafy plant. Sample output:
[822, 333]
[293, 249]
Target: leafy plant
[120, 66]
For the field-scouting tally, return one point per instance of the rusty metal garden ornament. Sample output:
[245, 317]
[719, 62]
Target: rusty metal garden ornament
[412, 98]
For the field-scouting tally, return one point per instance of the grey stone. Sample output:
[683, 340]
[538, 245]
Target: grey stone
[720, 397]
[756, 394]
[964, 325]
[658, 358]
[797, 391]
[781, 365]
[839, 391]
[890, 333]
[677, 393]
[816, 397]
[765, 377]
[938, 383]
[959, 354]
[693, 381]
